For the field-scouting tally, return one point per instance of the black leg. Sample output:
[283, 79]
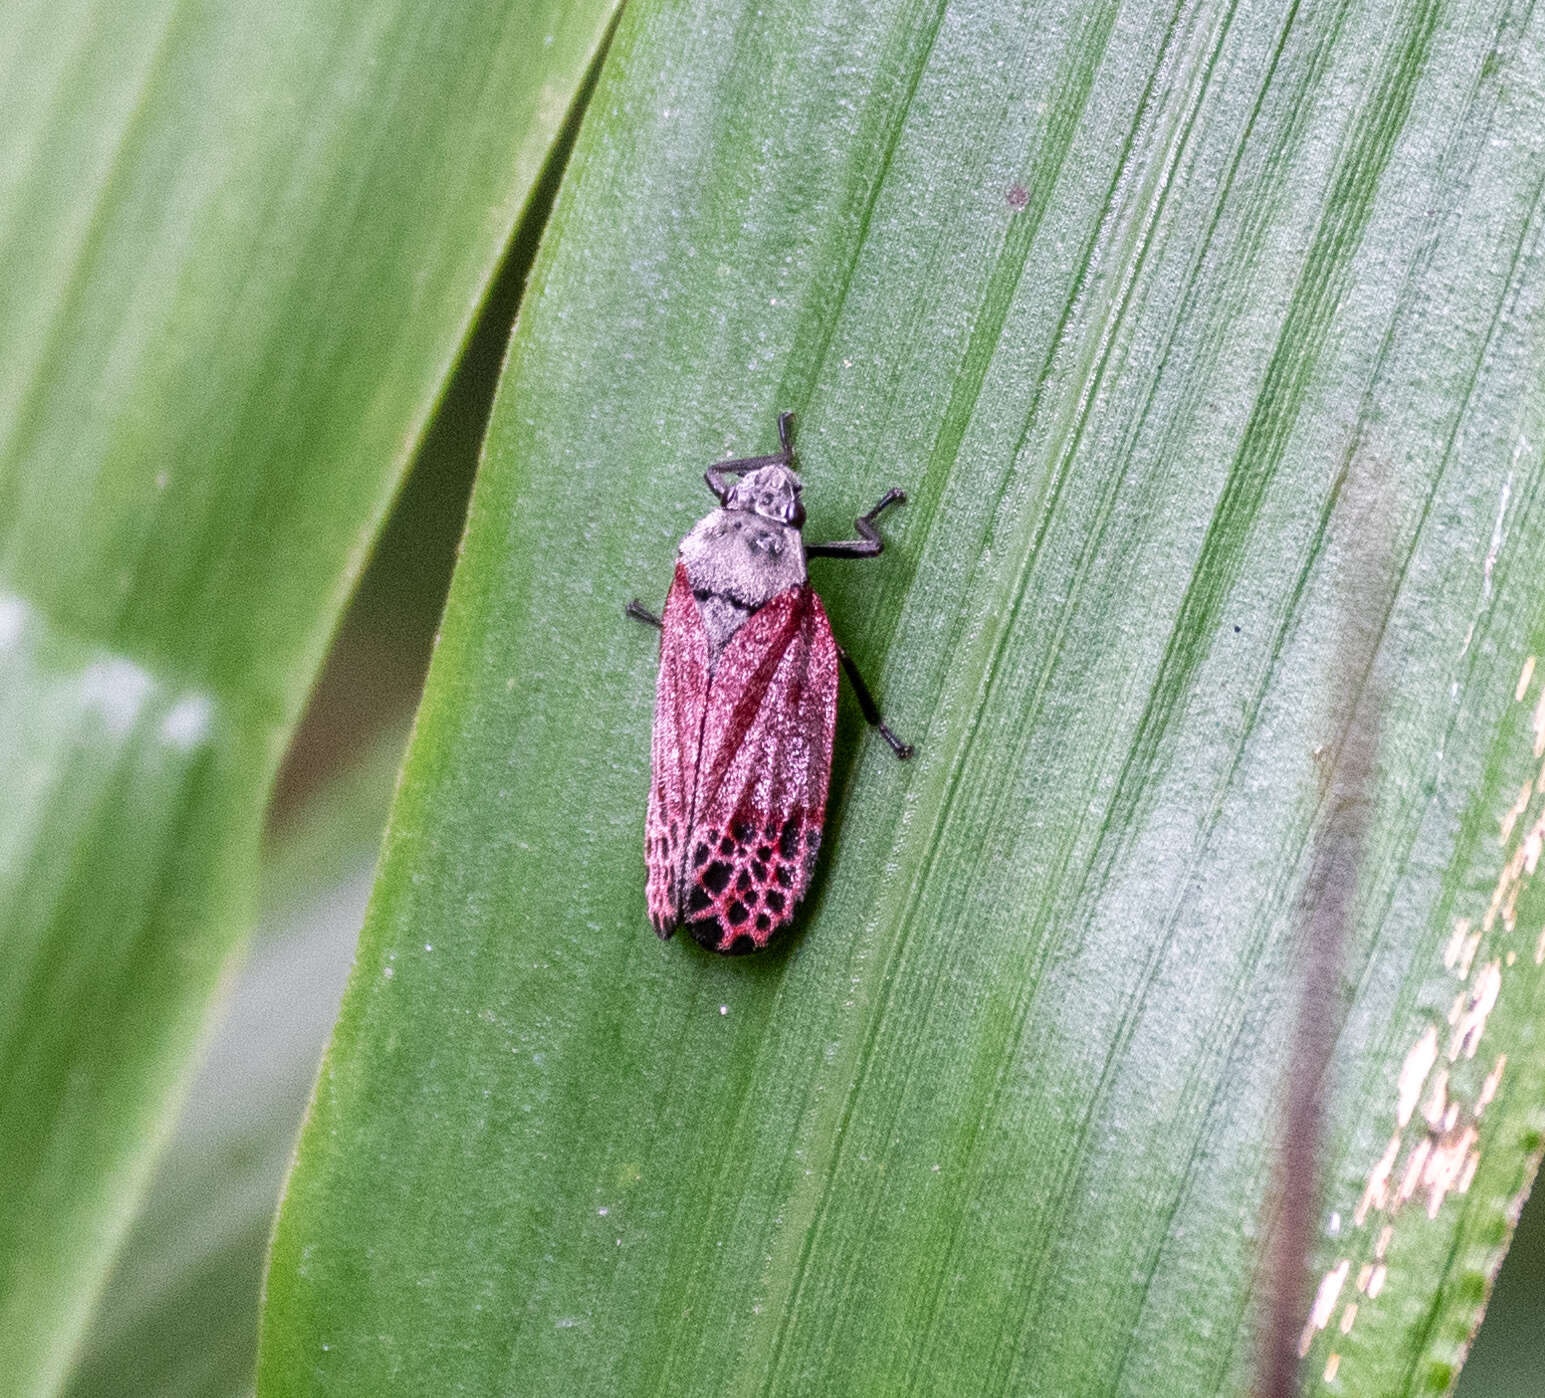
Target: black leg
[639, 612]
[871, 710]
[869, 543]
[713, 477]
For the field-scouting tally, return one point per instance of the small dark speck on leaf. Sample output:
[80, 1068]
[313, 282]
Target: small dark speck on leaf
[1019, 196]
[1236, 630]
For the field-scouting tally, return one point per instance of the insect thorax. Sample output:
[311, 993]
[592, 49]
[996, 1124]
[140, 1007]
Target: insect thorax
[736, 560]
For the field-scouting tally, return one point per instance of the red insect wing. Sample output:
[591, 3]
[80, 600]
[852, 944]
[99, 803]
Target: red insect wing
[680, 698]
[762, 774]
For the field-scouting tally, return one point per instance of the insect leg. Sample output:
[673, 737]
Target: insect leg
[869, 543]
[639, 612]
[713, 477]
[871, 710]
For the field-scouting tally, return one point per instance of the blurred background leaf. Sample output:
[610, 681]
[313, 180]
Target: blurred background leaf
[179, 1312]
[1505, 1362]
[1207, 345]
[180, 1309]
[242, 248]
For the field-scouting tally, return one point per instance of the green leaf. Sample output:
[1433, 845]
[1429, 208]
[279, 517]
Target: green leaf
[1207, 346]
[1504, 1361]
[242, 247]
[179, 1312]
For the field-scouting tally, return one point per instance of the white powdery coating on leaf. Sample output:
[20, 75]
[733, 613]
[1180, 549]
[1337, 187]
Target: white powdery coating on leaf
[1444, 1157]
[1510, 818]
[1376, 1190]
[1489, 1087]
[1437, 1106]
[1324, 1303]
[1527, 674]
[1473, 1010]
[1413, 1074]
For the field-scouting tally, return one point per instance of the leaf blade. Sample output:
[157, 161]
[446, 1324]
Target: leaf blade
[243, 248]
[1019, 1075]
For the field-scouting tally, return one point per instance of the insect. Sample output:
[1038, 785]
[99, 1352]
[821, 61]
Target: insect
[745, 709]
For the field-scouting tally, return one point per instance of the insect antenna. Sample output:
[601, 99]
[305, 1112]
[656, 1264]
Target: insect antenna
[713, 477]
